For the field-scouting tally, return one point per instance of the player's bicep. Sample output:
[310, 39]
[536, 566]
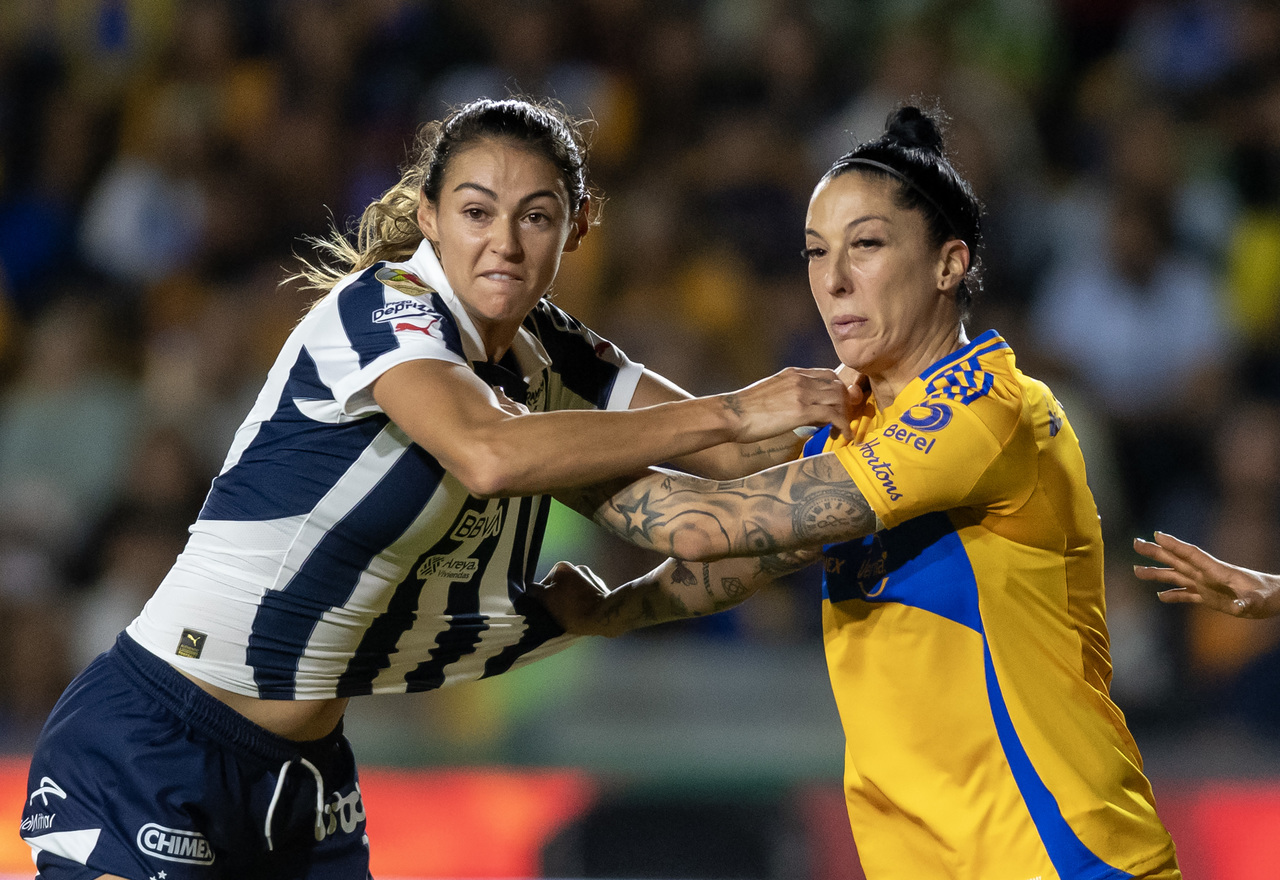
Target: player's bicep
[443, 407]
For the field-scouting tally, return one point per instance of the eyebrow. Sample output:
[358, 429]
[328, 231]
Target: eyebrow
[852, 223]
[484, 190]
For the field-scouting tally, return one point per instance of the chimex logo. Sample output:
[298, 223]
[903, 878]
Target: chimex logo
[172, 845]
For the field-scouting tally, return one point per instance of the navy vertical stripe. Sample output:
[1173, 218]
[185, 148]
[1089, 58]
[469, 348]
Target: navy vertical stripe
[540, 627]
[572, 354]
[379, 641]
[293, 461]
[448, 326]
[287, 617]
[466, 624]
[356, 304]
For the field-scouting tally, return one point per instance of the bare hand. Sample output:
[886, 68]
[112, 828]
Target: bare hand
[575, 597]
[1200, 579]
[790, 399]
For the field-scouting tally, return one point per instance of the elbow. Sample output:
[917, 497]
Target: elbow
[696, 545]
[486, 475]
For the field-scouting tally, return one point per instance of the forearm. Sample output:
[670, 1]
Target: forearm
[546, 452]
[677, 590]
[786, 508]
[730, 461]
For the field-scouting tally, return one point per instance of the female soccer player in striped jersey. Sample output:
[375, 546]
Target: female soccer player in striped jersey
[376, 521]
[963, 608]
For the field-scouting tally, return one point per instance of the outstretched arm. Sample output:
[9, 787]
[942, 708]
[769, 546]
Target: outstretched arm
[582, 604]
[790, 507]
[1197, 578]
[497, 450]
[729, 460]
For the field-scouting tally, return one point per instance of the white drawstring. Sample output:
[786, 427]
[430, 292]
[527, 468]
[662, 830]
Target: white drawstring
[275, 797]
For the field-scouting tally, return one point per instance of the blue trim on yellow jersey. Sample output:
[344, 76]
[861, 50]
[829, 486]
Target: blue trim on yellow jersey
[1071, 858]
[922, 563]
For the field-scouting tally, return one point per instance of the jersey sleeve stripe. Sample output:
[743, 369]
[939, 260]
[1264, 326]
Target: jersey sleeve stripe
[356, 304]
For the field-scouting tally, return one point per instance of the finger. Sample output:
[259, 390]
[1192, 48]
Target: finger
[1165, 576]
[1179, 597]
[1182, 550]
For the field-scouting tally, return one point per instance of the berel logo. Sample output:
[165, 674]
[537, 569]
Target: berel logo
[172, 845]
[47, 787]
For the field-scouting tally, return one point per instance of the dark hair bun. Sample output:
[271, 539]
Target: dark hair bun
[912, 128]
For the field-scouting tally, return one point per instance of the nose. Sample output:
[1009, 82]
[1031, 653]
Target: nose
[504, 239]
[836, 278]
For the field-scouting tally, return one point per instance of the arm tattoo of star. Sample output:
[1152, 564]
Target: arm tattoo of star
[639, 518]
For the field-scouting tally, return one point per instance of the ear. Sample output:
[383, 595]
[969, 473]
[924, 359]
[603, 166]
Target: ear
[427, 218]
[579, 226]
[952, 265]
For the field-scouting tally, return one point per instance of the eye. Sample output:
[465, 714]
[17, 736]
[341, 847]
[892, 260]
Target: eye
[867, 242]
[812, 253]
[473, 213]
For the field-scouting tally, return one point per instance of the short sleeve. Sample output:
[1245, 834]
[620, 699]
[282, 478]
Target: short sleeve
[366, 328]
[939, 455]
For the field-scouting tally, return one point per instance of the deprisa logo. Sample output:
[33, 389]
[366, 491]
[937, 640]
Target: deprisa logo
[402, 308]
[173, 845]
[883, 470]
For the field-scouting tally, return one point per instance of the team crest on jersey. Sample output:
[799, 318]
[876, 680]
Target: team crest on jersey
[405, 282]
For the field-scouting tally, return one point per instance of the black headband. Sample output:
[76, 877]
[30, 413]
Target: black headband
[955, 231]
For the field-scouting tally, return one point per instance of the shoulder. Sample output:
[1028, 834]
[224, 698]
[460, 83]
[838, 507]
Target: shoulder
[565, 338]
[981, 380]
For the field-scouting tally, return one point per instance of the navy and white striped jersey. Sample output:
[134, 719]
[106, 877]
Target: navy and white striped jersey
[334, 556]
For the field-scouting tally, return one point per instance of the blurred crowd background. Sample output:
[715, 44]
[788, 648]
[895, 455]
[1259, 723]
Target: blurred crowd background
[161, 160]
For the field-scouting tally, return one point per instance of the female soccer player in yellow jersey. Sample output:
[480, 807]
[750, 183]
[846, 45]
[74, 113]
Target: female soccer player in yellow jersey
[963, 609]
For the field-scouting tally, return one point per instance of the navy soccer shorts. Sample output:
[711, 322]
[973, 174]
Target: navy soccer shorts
[142, 774]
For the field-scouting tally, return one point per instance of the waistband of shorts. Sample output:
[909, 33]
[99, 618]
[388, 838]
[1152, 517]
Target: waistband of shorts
[206, 713]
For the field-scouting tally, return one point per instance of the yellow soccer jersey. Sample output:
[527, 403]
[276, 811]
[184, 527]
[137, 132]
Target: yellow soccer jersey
[967, 642]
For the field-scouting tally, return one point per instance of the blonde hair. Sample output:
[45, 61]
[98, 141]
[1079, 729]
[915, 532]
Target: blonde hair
[388, 228]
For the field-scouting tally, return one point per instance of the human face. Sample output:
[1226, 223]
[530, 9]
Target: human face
[886, 294]
[501, 224]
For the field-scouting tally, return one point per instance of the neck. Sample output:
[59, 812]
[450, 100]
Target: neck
[887, 384]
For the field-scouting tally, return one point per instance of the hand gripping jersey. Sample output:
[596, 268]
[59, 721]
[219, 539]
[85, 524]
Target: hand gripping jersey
[967, 642]
[334, 556]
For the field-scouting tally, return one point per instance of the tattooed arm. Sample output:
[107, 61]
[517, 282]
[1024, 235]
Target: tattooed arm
[582, 604]
[789, 507]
